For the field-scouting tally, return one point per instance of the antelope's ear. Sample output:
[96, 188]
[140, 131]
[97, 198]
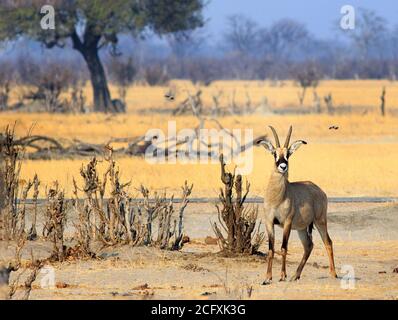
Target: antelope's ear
[295, 145]
[265, 143]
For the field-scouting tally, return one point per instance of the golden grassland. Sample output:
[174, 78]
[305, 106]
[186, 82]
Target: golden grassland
[357, 159]
[341, 170]
[100, 128]
[355, 93]
[279, 94]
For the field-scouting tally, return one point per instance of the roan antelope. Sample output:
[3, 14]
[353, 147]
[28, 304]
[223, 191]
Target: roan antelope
[293, 205]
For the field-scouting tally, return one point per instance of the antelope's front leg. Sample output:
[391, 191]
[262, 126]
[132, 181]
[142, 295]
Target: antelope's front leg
[286, 233]
[271, 250]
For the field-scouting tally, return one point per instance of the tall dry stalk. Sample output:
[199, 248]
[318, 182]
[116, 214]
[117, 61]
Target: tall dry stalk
[10, 168]
[32, 234]
[56, 221]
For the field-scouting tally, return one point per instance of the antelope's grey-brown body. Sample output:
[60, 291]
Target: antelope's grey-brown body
[298, 206]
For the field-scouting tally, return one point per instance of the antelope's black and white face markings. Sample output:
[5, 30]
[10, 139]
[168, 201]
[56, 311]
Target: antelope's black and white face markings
[281, 157]
[281, 154]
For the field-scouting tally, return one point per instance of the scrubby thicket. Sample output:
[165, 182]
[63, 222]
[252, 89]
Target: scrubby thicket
[104, 213]
[120, 219]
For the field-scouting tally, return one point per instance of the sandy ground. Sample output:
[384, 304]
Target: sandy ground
[366, 252]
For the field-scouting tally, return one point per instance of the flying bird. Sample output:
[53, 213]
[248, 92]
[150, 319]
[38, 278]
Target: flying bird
[169, 96]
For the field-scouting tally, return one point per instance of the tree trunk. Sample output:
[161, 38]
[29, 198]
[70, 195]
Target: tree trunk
[102, 98]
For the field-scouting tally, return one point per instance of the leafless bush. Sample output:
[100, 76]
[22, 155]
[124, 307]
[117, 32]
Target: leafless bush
[51, 79]
[123, 73]
[10, 156]
[55, 221]
[77, 103]
[306, 75]
[12, 211]
[6, 81]
[155, 74]
[14, 266]
[169, 233]
[118, 220]
[329, 103]
[238, 222]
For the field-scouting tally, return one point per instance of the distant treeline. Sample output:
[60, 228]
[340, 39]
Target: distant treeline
[244, 51]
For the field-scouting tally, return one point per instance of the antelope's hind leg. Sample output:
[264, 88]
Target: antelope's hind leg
[306, 239]
[323, 231]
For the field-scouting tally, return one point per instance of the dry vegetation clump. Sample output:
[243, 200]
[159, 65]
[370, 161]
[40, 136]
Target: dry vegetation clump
[237, 221]
[11, 220]
[54, 226]
[8, 288]
[120, 219]
[170, 235]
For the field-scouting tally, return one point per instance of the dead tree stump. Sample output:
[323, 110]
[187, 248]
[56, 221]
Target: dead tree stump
[383, 102]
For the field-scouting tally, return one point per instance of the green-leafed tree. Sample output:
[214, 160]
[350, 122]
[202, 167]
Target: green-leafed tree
[90, 25]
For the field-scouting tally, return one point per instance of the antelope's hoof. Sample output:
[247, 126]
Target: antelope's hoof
[333, 275]
[295, 278]
[267, 282]
[283, 278]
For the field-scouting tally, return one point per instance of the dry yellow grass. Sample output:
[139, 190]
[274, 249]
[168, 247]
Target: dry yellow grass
[355, 93]
[341, 170]
[280, 94]
[99, 128]
[357, 159]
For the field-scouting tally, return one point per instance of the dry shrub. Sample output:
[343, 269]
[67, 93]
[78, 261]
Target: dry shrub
[10, 168]
[123, 73]
[156, 74]
[8, 289]
[55, 222]
[237, 221]
[6, 80]
[169, 234]
[12, 211]
[120, 219]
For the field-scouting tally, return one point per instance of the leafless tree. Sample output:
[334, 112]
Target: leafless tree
[369, 30]
[122, 72]
[242, 34]
[281, 39]
[306, 75]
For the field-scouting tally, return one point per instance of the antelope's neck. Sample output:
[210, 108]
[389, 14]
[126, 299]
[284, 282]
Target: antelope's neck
[276, 189]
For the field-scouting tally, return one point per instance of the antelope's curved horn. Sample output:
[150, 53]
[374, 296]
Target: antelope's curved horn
[278, 145]
[288, 137]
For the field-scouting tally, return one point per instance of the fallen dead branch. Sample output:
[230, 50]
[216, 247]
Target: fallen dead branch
[42, 147]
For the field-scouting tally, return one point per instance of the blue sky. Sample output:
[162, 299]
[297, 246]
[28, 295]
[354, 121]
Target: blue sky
[318, 15]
